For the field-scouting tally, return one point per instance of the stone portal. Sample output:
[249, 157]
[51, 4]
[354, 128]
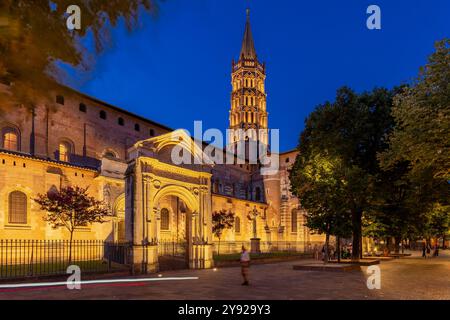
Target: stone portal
[151, 179]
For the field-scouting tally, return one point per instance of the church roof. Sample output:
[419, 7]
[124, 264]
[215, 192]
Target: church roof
[248, 46]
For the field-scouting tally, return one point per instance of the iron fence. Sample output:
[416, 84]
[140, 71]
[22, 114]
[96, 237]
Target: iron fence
[28, 258]
[172, 248]
[229, 247]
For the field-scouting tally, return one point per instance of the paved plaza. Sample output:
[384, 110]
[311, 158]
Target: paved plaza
[406, 278]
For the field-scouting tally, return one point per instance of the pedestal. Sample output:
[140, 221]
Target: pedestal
[145, 258]
[201, 257]
[255, 246]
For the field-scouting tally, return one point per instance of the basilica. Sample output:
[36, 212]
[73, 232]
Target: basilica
[125, 160]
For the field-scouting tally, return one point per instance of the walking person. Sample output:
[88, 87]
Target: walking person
[424, 251]
[323, 253]
[316, 252]
[428, 251]
[436, 250]
[245, 265]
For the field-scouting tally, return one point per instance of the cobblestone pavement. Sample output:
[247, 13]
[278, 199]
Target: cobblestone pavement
[405, 278]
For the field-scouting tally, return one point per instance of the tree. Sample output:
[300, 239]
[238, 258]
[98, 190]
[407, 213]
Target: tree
[71, 207]
[221, 220]
[318, 187]
[422, 118]
[438, 222]
[36, 46]
[350, 130]
[421, 114]
[389, 215]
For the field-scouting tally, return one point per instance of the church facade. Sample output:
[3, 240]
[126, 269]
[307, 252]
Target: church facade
[125, 161]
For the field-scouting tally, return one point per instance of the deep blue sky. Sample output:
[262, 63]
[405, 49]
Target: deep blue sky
[176, 69]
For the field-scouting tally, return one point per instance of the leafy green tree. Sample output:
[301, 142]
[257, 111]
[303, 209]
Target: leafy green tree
[221, 220]
[422, 118]
[35, 42]
[389, 215]
[71, 208]
[353, 130]
[320, 192]
[420, 138]
[437, 222]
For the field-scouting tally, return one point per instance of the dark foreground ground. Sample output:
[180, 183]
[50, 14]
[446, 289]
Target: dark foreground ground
[405, 278]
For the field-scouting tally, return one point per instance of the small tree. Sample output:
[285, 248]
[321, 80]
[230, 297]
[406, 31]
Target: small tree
[221, 220]
[71, 207]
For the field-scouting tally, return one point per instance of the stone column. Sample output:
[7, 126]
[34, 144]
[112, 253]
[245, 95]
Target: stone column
[200, 256]
[145, 255]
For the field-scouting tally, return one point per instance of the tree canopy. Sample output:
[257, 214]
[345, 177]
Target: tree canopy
[422, 119]
[35, 41]
[71, 208]
[340, 143]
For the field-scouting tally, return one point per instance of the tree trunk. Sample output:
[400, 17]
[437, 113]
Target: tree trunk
[327, 241]
[356, 229]
[338, 248]
[218, 248]
[396, 244]
[388, 244]
[70, 247]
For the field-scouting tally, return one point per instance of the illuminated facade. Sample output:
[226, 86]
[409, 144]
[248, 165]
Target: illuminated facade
[248, 97]
[125, 161]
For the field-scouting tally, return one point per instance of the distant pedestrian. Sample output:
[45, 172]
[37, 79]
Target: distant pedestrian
[424, 251]
[428, 250]
[245, 265]
[436, 250]
[316, 252]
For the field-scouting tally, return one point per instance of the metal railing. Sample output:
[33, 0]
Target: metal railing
[172, 248]
[229, 247]
[28, 258]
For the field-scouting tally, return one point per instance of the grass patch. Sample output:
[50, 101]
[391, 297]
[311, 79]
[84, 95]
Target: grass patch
[52, 268]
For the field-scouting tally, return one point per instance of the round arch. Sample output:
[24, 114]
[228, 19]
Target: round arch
[181, 192]
[119, 206]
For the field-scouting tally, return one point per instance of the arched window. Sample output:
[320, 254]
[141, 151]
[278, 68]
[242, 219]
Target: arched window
[102, 115]
[60, 99]
[110, 154]
[64, 149]
[137, 127]
[237, 225]
[164, 219]
[82, 107]
[17, 208]
[257, 193]
[121, 122]
[152, 133]
[294, 220]
[11, 139]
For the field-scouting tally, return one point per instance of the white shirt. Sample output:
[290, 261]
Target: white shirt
[245, 257]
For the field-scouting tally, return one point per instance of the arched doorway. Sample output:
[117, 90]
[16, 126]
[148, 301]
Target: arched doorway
[119, 219]
[174, 218]
[177, 229]
[153, 187]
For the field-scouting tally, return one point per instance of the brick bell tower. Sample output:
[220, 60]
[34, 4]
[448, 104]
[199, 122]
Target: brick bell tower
[248, 98]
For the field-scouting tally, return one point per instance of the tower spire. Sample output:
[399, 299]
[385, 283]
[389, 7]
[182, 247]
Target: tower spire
[248, 96]
[248, 46]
